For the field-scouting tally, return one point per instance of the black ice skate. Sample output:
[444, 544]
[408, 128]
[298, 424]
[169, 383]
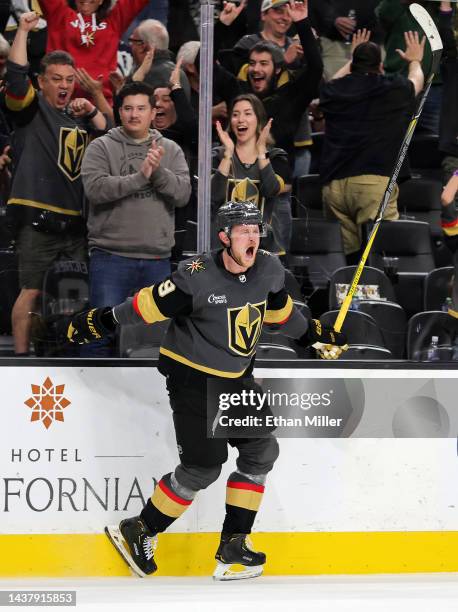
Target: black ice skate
[236, 548]
[135, 543]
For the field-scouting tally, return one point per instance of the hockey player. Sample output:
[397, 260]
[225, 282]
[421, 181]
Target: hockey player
[210, 338]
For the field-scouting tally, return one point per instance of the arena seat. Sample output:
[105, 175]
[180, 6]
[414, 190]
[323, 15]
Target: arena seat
[410, 242]
[365, 353]
[369, 276]
[421, 328]
[316, 250]
[391, 321]
[438, 287]
[307, 196]
[420, 200]
[359, 327]
[424, 155]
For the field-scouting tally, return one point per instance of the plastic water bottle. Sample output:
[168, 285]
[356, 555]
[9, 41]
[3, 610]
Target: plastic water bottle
[447, 304]
[351, 15]
[433, 349]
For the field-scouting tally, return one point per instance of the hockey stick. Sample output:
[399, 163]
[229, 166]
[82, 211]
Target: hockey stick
[429, 28]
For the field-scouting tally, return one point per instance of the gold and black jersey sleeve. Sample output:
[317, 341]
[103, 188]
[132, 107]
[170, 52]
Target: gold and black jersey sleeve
[279, 308]
[20, 95]
[283, 316]
[162, 301]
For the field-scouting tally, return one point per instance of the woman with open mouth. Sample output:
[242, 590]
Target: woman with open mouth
[247, 166]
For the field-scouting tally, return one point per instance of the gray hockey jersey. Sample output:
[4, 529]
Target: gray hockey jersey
[217, 316]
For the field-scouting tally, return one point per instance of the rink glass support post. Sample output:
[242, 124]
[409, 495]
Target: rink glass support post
[207, 11]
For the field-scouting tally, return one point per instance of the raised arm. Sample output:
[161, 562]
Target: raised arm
[359, 37]
[18, 52]
[20, 94]
[413, 55]
[308, 80]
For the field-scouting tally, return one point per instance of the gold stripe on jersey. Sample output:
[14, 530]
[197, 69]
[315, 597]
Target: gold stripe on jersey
[278, 316]
[303, 143]
[33, 204]
[198, 366]
[145, 305]
[15, 103]
[453, 313]
[282, 183]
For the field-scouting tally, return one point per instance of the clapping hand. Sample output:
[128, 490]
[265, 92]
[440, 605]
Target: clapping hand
[152, 160]
[92, 86]
[174, 79]
[261, 143]
[145, 66]
[226, 140]
[116, 81]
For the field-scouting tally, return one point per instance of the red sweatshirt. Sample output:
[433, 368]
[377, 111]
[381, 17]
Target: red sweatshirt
[96, 51]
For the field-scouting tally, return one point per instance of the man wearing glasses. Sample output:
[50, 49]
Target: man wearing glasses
[153, 62]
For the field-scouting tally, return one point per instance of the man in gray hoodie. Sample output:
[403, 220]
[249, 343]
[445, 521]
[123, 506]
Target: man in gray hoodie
[133, 179]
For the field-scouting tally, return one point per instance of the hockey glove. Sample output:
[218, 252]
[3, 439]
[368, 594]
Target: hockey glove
[329, 343]
[91, 325]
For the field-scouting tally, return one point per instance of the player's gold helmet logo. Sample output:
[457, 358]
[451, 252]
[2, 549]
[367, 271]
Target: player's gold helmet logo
[245, 325]
[72, 145]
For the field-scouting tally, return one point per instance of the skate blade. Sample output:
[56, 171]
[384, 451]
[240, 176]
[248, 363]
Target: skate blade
[223, 572]
[115, 537]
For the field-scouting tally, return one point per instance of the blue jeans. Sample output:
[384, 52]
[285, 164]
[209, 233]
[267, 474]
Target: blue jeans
[112, 279]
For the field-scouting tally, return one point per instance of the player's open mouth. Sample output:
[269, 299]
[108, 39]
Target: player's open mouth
[62, 96]
[250, 252]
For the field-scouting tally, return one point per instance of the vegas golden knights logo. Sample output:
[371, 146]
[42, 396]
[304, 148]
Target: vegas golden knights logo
[245, 190]
[245, 325]
[72, 145]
